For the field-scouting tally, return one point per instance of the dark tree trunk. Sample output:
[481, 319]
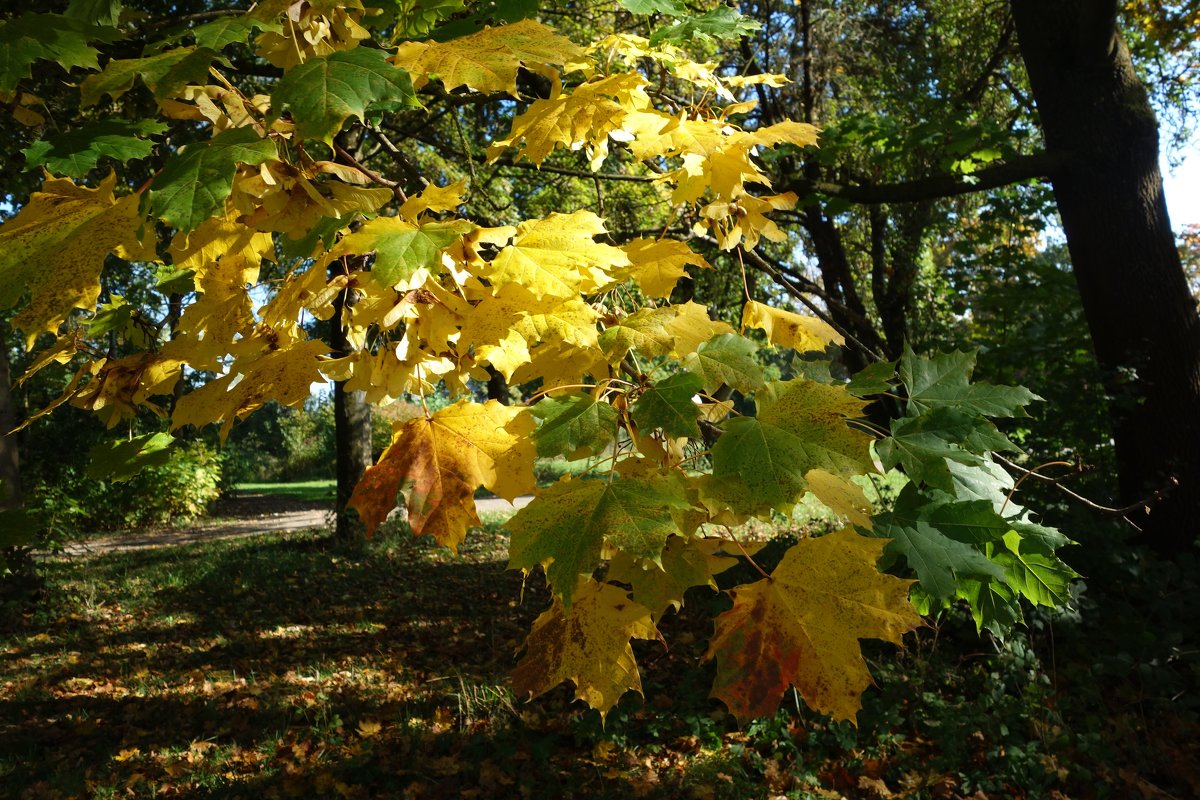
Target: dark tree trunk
[1143, 320]
[10, 464]
[352, 430]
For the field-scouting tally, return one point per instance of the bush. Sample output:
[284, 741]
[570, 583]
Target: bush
[179, 490]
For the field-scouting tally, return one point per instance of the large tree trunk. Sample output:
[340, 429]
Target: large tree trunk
[1143, 320]
[10, 465]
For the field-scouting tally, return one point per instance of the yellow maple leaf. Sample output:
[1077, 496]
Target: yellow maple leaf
[55, 250]
[659, 264]
[584, 117]
[310, 29]
[841, 495]
[442, 460]
[433, 198]
[801, 628]
[487, 61]
[692, 326]
[283, 375]
[788, 329]
[588, 645]
[557, 256]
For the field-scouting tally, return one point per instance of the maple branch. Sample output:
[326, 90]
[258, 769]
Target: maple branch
[395, 186]
[578, 173]
[1014, 170]
[1146, 503]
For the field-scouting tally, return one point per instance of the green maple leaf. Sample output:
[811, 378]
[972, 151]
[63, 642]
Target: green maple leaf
[123, 459]
[77, 152]
[672, 8]
[164, 73]
[574, 426]
[29, 38]
[800, 426]
[400, 247]
[942, 542]
[726, 359]
[96, 12]
[668, 405]
[993, 605]
[322, 93]
[872, 379]
[194, 184]
[1041, 579]
[722, 22]
[944, 381]
[566, 526]
[923, 445]
[222, 32]
[645, 332]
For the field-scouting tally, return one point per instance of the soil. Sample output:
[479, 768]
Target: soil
[245, 514]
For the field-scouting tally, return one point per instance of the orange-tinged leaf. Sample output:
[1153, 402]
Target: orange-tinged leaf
[442, 460]
[788, 329]
[56, 246]
[588, 645]
[801, 628]
[486, 61]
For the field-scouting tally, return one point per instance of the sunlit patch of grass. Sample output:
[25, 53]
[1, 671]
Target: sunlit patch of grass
[317, 491]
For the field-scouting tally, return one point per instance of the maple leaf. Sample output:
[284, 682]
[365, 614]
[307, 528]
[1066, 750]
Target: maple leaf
[669, 405]
[487, 61]
[557, 256]
[585, 116]
[800, 426]
[787, 329]
[323, 92]
[29, 38]
[840, 495]
[575, 426]
[441, 461]
[657, 265]
[566, 525]
[194, 185]
[685, 563]
[588, 644]
[943, 543]
[164, 73]
[401, 247]
[283, 375]
[944, 380]
[77, 152]
[644, 331]
[801, 628]
[727, 359]
[55, 249]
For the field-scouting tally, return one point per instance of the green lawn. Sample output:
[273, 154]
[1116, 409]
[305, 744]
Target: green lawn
[310, 491]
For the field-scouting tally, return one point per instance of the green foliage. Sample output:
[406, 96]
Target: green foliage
[79, 151]
[195, 184]
[324, 92]
[34, 37]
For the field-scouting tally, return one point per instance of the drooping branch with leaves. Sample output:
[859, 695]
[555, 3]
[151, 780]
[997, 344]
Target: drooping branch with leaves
[260, 217]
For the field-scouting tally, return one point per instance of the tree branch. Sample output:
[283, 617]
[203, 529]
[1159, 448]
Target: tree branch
[1015, 170]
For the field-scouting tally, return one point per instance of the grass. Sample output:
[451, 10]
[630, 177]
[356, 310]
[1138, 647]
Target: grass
[318, 491]
[286, 666]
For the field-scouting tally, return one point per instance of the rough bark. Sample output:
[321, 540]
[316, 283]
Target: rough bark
[1143, 320]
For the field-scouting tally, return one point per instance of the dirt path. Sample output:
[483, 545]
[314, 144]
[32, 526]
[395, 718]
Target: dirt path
[246, 515]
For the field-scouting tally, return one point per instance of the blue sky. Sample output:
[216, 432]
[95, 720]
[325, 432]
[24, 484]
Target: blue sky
[1182, 186]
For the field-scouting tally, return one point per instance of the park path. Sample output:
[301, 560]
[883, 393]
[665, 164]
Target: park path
[239, 519]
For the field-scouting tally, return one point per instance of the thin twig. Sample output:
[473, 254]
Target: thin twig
[1146, 503]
